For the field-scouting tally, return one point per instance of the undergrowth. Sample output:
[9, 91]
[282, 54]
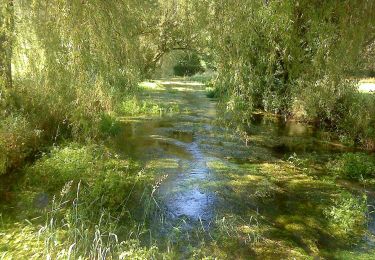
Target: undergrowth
[355, 166]
[76, 228]
[86, 200]
[135, 107]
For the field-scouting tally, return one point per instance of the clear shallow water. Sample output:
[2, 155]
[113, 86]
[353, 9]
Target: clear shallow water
[208, 174]
[177, 138]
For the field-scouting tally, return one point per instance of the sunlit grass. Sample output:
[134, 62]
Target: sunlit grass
[367, 80]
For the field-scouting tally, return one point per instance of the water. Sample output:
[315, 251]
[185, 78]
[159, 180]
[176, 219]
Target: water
[212, 180]
[178, 138]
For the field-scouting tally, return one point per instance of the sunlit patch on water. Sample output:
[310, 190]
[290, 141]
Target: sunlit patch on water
[213, 174]
[192, 203]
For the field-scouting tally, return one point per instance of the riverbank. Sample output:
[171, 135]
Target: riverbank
[177, 183]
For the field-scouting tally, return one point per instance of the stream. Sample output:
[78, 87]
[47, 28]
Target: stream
[260, 194]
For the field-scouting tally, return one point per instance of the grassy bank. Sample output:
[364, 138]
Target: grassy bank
[87, 199]
[69, 196]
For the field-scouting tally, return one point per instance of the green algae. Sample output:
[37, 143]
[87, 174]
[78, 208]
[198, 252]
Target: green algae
[213, 195]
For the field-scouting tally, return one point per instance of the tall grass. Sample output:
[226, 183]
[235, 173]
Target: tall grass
[76, 229]
[100, 207]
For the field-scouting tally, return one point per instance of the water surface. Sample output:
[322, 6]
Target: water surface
[258, 193]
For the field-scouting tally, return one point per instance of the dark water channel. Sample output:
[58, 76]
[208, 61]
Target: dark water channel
[200, 165]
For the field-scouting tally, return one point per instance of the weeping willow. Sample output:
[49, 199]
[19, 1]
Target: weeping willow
[64, 65]
[73, 59]
[294, 57]
[6, 42]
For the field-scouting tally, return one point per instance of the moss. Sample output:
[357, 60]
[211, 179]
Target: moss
[263, 200]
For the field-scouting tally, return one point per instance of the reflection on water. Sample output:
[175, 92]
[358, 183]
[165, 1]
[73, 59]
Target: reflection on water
[287, 136]
[194, 142]
[178, 137]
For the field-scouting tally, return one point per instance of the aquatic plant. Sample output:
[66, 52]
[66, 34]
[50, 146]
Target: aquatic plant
[347, 216]
[134, 107]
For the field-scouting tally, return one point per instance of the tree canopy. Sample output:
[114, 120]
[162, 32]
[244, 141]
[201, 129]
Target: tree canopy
[293, 57]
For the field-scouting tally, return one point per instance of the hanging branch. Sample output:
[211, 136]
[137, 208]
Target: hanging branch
[6, 45]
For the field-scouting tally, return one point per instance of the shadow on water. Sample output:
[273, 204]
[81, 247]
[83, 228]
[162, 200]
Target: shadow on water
[287, 136]
[212, 174]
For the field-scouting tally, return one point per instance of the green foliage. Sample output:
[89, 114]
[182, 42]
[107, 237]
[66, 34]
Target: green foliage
[347, 216]
[95, 166]
[6, 43]
[354, 166]
[60, 166]
[188, 65]
[89, 232]
[348, 112]
[92, 211]
[211, 90]
[77, 62]
[289, 57]
[109, 125]
[206, 77]
[18, 141]
[75, 227]
[355, 118]
[368, 55]
[135, 107]
[66, 77]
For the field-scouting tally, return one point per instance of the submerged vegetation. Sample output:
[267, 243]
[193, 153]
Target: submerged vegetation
[262, 147]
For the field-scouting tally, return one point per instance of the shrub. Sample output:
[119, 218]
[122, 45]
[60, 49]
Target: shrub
[188, 65]
[109, 125]
[211, 90]
[18, 141]
[93, 192]
[206, 77]
[134, 106]
[357, 118]
[76, 227]
[354, 166]
[61, 165]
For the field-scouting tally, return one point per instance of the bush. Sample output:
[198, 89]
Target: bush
[354, 166]
[357, 118]
[76, 228]
[109, 125]
[63, 111]
[93, 192]
[108, 178]
[206, 77]
[78, 225]
[18, 141]
[188, 65]
[212, 91]
[134, 107]
[60, 166]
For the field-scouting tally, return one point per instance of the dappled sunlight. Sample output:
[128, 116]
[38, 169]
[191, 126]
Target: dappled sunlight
[151, 85]
[185, 84]
[21, 238]
[187, 129]
[162, 164]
